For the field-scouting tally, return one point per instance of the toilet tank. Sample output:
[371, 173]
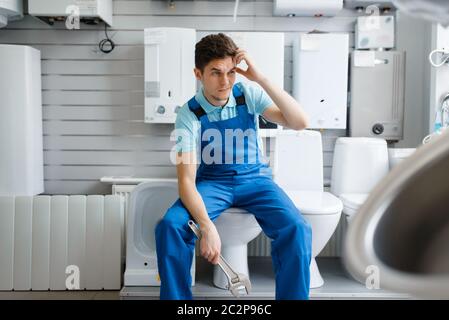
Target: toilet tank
[21, 142]
[299, 160]
[358, 165]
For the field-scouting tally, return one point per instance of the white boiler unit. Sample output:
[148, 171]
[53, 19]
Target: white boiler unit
[377, 94]
[21, 152]
[169, 78]
[10, 10]
[90, 11]
[316, 8]
[320, 78]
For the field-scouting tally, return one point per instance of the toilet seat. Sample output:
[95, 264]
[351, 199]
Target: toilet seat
[352, 202]
[315, 202]
[235, 210]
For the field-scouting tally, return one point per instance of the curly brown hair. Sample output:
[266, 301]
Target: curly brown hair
[213, 46]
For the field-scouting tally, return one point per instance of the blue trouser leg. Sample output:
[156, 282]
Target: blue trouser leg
[291, 234]
[175, 241]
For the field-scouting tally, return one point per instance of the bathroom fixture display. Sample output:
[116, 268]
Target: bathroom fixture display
[304, 8]
[21, 138]
[402, 228]
[351, 181]
[298, 170]
[168, 52]
[377, 94]
[320, 78]
[10, 10]
[90, 12]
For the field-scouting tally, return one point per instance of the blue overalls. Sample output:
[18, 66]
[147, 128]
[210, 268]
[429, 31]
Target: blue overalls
[246, 184]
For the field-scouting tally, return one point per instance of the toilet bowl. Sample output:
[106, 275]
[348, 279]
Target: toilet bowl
[351, 203]
[322, 211]
[298, 170]
[236, 228]
[358, 165]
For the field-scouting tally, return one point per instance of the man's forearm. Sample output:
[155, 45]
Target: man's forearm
[291, 110]
[192, 200]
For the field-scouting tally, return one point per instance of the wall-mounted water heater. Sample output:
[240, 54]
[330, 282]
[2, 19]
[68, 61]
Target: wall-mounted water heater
[307, 8]
[90, 11]
[320, 78]
[377, 94]
[169, 78]
[10, 10]
[21, 151]
[370, 5]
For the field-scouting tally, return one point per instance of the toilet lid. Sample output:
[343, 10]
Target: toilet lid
[353, 200]
[315, 202]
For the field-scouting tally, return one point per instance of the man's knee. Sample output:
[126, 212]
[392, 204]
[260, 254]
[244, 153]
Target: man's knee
[169, 222]
[174, 227]
[164, 226]
[300, 228]
[303, 233]
[174, 216]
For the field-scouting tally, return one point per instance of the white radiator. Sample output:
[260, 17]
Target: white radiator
[41, 236]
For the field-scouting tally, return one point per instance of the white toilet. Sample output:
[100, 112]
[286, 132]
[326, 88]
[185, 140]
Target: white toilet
[298, 170]
[358, 165]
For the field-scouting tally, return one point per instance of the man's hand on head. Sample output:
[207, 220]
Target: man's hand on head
[252, 72]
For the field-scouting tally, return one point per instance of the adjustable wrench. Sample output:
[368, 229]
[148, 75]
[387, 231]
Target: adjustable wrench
[236, 281]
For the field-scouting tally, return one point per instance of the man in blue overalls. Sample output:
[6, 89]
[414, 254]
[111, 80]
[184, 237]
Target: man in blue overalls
[231, 174]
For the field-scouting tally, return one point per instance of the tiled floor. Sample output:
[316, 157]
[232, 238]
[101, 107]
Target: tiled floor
[337, 286]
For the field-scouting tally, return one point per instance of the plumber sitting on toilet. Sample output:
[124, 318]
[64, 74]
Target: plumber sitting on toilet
[231, 174]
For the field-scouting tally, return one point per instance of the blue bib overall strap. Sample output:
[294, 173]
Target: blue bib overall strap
[199, 112]
[236, 140]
